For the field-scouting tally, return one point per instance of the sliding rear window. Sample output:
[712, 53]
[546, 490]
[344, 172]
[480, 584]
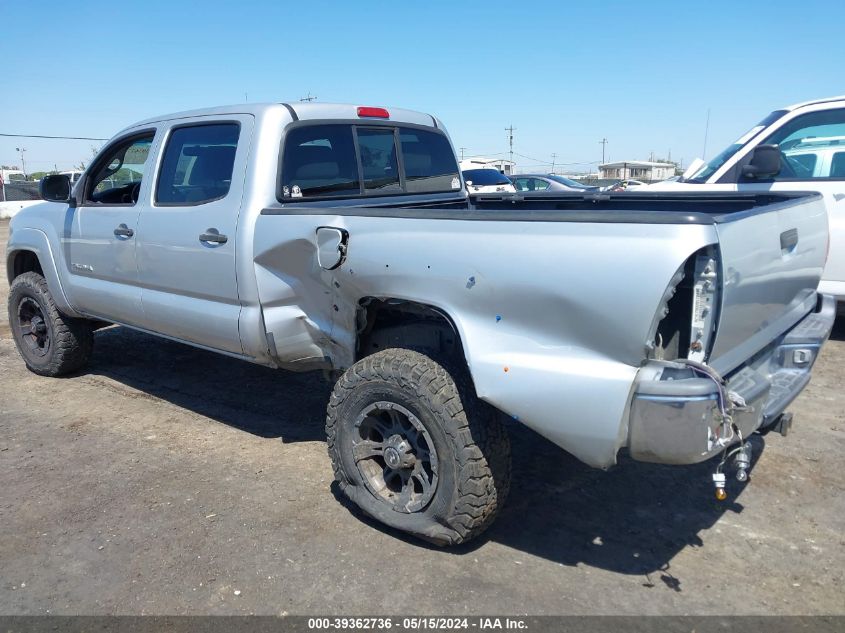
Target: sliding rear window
[344, 160]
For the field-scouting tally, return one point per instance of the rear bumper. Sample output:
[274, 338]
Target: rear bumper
[674, 414]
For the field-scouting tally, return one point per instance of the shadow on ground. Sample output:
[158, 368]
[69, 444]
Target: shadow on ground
[256, 399]
[632, 519]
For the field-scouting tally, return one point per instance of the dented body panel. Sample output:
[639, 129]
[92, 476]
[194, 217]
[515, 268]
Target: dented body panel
[553, 317]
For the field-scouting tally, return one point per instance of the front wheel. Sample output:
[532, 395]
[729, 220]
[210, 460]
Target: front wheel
[50, 343]
[415, 449]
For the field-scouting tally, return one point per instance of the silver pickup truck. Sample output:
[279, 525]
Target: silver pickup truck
[342, 238]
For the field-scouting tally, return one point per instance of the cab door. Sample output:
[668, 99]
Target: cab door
[188, 235]
[100, 234]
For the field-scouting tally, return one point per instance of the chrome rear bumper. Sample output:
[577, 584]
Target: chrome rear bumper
[675, 412]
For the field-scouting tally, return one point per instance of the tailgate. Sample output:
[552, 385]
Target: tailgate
[772, 259]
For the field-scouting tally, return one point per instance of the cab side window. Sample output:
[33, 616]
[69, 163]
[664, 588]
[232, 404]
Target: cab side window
[116, 176]
[808, 145]
[197, 164]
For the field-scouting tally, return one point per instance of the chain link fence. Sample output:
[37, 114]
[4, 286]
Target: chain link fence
[19, 191]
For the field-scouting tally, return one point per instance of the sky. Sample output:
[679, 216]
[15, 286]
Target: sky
[564, 75]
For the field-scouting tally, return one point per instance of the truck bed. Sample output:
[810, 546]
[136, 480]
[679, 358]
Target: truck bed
[574, 280]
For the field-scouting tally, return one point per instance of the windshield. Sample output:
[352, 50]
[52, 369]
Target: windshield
[569, 183]
[711, 167]
[485, 177]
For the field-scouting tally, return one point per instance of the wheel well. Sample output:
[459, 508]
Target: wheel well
[384, 323]
[24, 262]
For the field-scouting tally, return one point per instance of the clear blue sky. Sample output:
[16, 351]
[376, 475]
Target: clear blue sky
[566, 75]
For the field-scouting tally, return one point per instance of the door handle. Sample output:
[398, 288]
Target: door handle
[213, 236]
[123, 231]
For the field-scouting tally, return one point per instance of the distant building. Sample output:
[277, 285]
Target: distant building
[479, 162]
[637, 170]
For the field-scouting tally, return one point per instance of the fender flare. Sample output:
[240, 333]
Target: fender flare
[35, 241]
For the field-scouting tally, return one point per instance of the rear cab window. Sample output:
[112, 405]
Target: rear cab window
[342, 160]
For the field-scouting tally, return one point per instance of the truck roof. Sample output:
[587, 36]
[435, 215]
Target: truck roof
[302, 111]
[803, 104]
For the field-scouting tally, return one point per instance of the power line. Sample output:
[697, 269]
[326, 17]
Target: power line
[540, 161]
[485, 154]
[68, 138]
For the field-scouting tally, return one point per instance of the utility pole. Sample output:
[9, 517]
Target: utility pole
[463, 149]
[510, 130]
[603, 144]
[23, 161]
[310, 97]
[554, 156]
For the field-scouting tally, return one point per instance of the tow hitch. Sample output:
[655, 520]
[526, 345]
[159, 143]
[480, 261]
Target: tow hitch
[741, 461]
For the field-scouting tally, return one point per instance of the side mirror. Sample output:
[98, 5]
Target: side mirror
[55, 188]
[765, 162]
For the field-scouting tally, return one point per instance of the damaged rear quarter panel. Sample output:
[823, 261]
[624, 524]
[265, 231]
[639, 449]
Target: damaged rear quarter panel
[553, 316]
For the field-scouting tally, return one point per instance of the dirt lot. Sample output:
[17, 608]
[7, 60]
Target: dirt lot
[167, 480]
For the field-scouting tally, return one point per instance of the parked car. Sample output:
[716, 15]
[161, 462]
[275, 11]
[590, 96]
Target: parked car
[74, 176]
[548, 182]
[315, 236]
[624, 185]
[815, 157]
[797, 148]
[487, 181]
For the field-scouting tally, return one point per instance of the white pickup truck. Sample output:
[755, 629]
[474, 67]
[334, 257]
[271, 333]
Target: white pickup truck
[797, 148]
[343, 238]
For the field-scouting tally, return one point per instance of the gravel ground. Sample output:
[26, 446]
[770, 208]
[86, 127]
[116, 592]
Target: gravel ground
[168, 480]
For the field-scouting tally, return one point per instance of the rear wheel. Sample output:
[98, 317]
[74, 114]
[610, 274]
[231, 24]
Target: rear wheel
[413, 448]
[50, 343]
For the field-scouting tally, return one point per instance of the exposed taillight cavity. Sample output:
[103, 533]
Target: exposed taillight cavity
[685, 322]
[372, 112]
[705, 291]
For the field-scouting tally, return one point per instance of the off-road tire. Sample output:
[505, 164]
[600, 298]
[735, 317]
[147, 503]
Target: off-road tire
[71, 341]
[471, 443]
